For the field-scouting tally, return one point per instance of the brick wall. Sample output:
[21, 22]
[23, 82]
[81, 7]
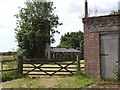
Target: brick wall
[91, 53]
[92, 28]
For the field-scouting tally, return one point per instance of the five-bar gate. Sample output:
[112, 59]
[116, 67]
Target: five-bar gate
[48, 67]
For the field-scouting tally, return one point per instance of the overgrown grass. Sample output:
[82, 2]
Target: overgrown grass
[7, 65]
[10, 65]
[86, 80]
[27, 82]
[6, 76]
[79, 80]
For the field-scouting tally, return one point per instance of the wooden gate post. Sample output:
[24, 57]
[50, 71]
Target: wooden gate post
[78, 63]
[1, 65]
[20, 65]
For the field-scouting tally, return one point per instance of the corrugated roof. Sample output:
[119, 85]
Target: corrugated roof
[64, 50]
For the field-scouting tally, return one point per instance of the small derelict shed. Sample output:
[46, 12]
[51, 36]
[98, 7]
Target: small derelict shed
[102, 45]
[64, 53]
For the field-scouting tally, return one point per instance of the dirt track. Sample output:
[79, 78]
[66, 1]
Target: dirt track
[51, 82]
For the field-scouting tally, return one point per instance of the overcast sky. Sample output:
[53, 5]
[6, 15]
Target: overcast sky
[70, 13]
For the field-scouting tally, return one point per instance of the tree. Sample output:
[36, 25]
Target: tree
[115, 12]
[72, 40]
[36, 26]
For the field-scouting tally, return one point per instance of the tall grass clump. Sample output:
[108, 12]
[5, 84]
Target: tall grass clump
[7, 76]
[83, 80]
[116, 72]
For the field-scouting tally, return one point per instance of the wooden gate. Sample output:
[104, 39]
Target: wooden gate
[48, 67]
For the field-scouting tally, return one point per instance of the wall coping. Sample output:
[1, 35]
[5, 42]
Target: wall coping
[102, 16]
[103, 23]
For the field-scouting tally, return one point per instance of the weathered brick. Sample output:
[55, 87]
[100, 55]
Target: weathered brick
[92, 27]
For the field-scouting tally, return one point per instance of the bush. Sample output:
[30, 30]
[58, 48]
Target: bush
[6, 76]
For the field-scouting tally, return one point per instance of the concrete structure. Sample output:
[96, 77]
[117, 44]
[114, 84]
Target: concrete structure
[101, 45]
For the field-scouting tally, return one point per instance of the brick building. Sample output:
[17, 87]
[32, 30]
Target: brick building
[101, 45]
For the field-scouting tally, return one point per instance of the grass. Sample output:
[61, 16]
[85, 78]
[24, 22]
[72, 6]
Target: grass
[6, 76]
[13, 65]
[79, 80]
[2, 58]
[27, 82]
[9, 75]
[10, 65]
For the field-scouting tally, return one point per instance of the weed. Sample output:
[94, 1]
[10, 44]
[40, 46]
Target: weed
[116, 72]
[6, 76]
[79, 80]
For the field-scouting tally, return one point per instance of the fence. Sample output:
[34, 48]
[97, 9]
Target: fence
[8, 65]
[42, 67]
[48, 67]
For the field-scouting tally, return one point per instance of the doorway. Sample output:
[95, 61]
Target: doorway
[109, 53]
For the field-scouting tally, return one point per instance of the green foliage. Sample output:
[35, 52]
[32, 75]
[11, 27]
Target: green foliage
[115, 12]
[10, 65]
[9, 53]
[72, 40]
[36, 25]
[79, 80]
[27, 82]
[9, 75]
[6, 76]
[84, 80]
[117, 73]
